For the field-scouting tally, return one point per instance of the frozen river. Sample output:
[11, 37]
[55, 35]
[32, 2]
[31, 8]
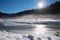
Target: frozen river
[40, 31]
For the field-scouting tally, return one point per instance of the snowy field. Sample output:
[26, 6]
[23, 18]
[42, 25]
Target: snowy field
[46, 36]
[30, 27]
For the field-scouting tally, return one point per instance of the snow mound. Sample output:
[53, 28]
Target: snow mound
[10, 36]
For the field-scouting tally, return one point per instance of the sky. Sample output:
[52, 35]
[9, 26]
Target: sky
[14, 6]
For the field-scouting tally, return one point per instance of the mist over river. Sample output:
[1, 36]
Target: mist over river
[41, 26]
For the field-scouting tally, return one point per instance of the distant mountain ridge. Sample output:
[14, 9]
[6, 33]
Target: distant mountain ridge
[51, 9]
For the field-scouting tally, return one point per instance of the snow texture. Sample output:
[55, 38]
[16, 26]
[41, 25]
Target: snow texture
[12, 36]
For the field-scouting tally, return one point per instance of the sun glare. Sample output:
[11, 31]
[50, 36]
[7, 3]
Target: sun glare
[40, 29]
[40, 5]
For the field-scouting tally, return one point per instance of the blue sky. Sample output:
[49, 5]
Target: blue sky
[13, 6]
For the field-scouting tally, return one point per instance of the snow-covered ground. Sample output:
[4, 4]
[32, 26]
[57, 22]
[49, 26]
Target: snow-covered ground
[39, 32]
[12, 36]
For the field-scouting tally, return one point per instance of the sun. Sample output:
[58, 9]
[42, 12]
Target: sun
[40, 5]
